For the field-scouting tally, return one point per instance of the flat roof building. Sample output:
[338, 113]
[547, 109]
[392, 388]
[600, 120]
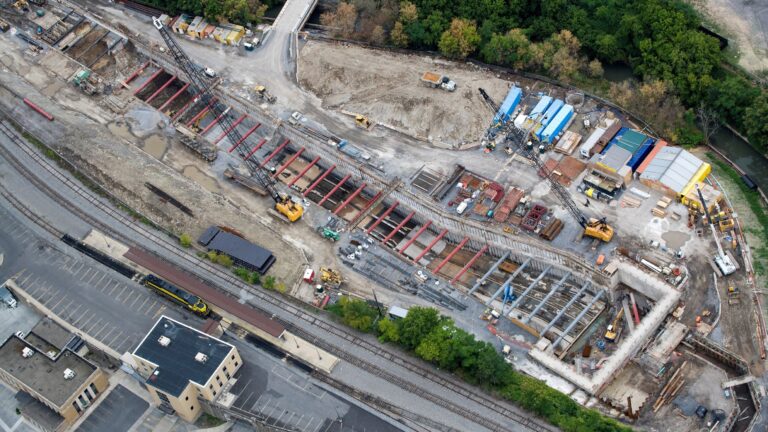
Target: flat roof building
[64, 382]
[182, 364]
[674, 170]
[243, 253]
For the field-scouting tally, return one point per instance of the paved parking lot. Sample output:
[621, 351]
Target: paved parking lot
[117, 413]
[81, 291]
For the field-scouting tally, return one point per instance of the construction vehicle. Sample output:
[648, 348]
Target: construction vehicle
[200, 84]
[328, 233]
[362, 121]
[593, 227]
[261, 91]
[722, 261]
[330, 277]
[435, 80]
[733, 295]
[82, 81]
[612, 332]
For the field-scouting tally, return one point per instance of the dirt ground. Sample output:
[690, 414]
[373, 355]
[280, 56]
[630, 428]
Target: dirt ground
[387, 88]
[744, 23]
[118, 152]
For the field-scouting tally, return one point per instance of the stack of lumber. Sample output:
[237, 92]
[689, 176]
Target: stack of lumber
[671, 389]
[658, 212]
[629, 202]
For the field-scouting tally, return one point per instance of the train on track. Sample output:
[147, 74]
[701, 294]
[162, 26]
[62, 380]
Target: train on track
[189, 301]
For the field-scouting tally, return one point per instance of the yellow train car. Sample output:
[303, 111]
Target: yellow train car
[189, 301]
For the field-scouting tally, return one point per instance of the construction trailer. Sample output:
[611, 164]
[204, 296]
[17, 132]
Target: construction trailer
[509, 105]
[561, 120]
[547, 117]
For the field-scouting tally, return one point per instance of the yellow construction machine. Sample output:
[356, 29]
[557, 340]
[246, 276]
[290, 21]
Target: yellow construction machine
[362, 121]
[286, 207]
[330, 277]
[598, 229]
[613, 329]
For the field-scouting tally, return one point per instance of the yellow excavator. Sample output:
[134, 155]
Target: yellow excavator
[613, 329]
[286, 207]
[362, 121]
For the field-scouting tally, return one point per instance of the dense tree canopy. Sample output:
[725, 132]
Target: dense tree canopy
[241, 11]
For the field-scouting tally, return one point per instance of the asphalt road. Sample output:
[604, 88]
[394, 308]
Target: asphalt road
[117, 413]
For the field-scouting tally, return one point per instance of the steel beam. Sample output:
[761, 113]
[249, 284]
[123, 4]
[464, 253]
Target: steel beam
[215, 121]
[398, 227]
[348, 200]
[288, 163]
[415, 236]
[530, 287]
[244, 137]
[469, 264]
[319, 179]
[184, 108]
[173, 98]
[451, 255]
[508, 282]
[335, 188]
[368, 205]
[149, 80]
[304, 171]
[382, 217]
[577, 319]
[546, 298]
[202, 112]
[567, 305]
[431, 245]
[274, 153]
[231, 128]
[135, 73]
[488, 273]
[255, 149]
[162, 87]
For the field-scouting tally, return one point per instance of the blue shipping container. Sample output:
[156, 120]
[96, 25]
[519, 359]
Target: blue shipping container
[557, 124]
[641, 153]
[549, 114]
[540, 107]
[508, 106]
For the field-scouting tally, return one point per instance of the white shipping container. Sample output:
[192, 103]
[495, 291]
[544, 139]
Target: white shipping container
[590, 142]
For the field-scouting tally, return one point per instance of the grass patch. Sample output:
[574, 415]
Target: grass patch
[754, 201]
[208, 421]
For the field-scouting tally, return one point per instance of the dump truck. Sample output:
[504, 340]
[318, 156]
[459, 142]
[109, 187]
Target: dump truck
[436, 80]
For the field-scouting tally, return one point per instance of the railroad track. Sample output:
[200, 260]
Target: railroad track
[292, 306]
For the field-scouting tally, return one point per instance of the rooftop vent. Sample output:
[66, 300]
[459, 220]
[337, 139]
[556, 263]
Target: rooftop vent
[202, 358]
[164, 341]
[27, 352]
[69, 374]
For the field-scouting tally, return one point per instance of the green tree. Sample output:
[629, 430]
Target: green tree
[408, 12]
[419, 323]
[731, 97]
[281, 288]
[460, 40]
[224, 260]
[355, 313]
[255, 278]
[242, 273]
[512, 49]
[269, 282]
[342, 20]
[389, 331]
[212, 255]
[185, 240]
[755, 122]
[398, 36]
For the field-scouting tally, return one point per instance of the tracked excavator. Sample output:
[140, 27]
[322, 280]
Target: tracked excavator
[199, 83]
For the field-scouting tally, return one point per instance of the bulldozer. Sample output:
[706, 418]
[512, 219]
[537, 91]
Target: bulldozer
[599, 229]
[330, 277]
[362, 121]
[286, 207]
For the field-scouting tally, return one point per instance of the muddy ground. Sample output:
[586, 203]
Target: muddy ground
[118, 152]
[387, 88]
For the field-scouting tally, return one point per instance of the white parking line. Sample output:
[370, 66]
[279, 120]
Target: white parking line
[25, 279]
[150, 308]
[101, 279]
[115, 338]
[85, 313]
[65, 307]
[109, 332]
[112, 291]
[64, 297]
[95, 273]
[265, 406]
[159, 311]
[98, 333]
[136, 298]
[281, 416]
[75, 310]
[122, 291]
[85, 274]
[146, 299]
